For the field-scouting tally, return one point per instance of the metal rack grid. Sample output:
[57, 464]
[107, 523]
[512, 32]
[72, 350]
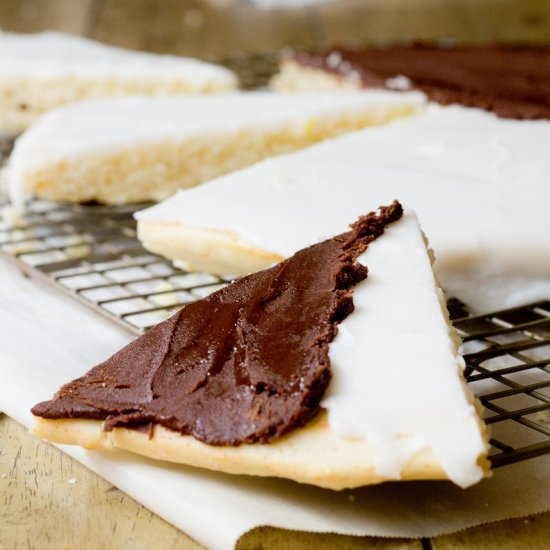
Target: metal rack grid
[92, 254]
[507, 356]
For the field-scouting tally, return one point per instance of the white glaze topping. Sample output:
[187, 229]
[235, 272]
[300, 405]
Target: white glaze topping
[114, 124]
[399, 82]
[479, 184]
[395, 365]
[52, 54]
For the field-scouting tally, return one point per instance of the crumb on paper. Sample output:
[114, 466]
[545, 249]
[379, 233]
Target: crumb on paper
[72, 481]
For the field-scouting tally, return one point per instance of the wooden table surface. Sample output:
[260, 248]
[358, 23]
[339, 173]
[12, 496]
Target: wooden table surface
[47, 499]
[50, 501]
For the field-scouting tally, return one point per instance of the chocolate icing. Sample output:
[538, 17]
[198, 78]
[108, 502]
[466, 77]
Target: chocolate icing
[246, 364]
[512, 81]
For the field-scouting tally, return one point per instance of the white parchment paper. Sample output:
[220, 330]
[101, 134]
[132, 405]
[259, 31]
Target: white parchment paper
[47, 339]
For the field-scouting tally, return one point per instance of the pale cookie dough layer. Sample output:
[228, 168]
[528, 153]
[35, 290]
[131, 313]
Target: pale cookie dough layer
[204, 249]
[39, 72]
[23, 100]
[294, 77]
[313, 454]
[138, 149]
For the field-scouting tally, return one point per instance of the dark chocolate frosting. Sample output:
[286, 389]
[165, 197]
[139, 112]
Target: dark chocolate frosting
[246, 364]
[512, 81]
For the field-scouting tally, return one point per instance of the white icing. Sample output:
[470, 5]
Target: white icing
[114, 124]
[399, 82]
[52, 54]
[395, 363]
[479, 184]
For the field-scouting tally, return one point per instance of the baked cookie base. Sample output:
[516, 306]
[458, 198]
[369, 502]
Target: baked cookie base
[198, 249]
[294, 77]
[24, 99]
[312, 454]
[154, 171]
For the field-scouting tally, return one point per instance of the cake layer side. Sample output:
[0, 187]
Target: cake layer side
[23, 100]
[293, 77]
[140, 149]
[198, 249]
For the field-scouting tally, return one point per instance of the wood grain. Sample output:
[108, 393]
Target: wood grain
[467, 21]
[35, 15]
[197, 29]
[532, 533]
[48, 500]
[217, 29]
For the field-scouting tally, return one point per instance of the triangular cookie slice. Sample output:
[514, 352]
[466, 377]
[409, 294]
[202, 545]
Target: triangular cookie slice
[478, 183]
[241, 381]
[42, 71]
[138, 149]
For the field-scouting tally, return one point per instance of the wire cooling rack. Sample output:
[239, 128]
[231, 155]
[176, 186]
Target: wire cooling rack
[92, 254]
[507, 356]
